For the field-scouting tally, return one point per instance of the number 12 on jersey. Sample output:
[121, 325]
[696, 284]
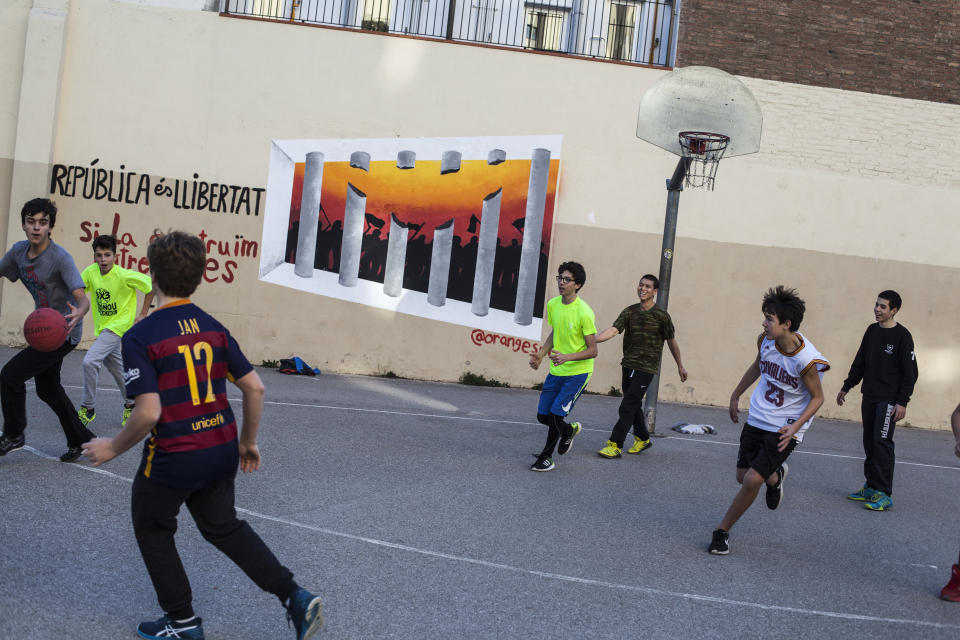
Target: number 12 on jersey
[201, 350]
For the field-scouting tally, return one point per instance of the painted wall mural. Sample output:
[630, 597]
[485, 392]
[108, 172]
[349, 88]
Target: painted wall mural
[452, 229]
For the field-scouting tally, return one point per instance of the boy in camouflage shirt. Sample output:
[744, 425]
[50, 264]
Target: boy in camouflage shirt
[646, 327]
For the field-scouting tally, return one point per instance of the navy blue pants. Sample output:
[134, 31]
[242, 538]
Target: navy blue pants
[155, 508]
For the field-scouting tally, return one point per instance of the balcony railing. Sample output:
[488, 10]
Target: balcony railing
[638, 31]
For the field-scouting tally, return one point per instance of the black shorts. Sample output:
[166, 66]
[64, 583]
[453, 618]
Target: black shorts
[758, 451]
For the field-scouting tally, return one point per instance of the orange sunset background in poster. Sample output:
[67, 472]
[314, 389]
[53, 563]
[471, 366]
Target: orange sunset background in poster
[422, 196]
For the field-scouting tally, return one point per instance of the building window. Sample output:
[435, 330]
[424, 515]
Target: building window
[620, 34]
[376, 15]
[543, 29]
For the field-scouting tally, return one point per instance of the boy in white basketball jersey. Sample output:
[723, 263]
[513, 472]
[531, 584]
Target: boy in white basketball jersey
[781, 407]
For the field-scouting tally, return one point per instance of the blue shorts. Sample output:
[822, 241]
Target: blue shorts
[561, 392]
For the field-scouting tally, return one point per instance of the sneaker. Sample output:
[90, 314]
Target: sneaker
[126, 416]
[610, 451]
[775, 493]
[305, 613]
[639, 445]
[879, 501]
[720, 546]
[166, 628]
[9, 445]
[951, 592]
[543, 464]
[567, 442]
[86, 415]
[863, 494]
[71, 454]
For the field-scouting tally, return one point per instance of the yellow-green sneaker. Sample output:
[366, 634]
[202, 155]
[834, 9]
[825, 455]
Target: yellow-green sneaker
[567, 442]
[610, 451]
[879, 501]
[126, 416]
[86, 415]
[639, 445]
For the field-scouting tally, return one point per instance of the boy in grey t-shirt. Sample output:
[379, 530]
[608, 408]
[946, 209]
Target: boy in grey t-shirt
[50, 275]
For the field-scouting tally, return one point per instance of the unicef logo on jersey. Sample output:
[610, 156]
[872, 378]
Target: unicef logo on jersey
[104, 306]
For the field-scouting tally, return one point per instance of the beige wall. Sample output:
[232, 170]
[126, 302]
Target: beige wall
[172, 93]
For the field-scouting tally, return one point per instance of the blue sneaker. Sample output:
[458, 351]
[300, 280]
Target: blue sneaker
[863, 494]
[166, 628]
[879, 501]
[305, 612]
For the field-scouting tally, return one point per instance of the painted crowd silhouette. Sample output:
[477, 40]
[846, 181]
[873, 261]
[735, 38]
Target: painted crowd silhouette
[416, 274]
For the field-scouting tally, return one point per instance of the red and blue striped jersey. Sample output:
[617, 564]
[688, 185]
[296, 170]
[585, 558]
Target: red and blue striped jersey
[185, 355]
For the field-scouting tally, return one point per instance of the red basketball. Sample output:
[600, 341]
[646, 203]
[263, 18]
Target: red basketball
[45, 329]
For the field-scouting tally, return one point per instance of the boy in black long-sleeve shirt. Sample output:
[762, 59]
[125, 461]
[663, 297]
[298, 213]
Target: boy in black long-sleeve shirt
[888, 367]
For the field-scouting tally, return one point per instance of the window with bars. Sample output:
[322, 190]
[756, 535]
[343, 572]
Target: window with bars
[543, 29]
[620, 32]
[376, 15]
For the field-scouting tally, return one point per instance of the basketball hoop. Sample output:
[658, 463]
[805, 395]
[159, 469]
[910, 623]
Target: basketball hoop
[704, 150]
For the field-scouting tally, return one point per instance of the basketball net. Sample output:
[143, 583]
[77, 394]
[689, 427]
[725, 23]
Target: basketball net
[704, 150]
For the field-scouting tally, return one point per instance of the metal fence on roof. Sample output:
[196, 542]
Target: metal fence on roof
[638, 31]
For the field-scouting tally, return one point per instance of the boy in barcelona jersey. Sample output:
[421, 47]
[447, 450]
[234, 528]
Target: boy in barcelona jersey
[177, 363]
[114, 293]
[782, 407]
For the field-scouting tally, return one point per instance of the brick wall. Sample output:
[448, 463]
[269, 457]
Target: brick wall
[903, 48]
[822, 129]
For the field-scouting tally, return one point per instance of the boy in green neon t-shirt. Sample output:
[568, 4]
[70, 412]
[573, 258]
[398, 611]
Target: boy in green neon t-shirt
[572, 346]
[113, 290]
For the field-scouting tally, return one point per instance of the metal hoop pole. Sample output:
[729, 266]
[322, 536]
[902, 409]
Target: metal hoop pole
[674, 187]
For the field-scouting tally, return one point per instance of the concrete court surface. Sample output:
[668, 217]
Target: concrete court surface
[410, 508]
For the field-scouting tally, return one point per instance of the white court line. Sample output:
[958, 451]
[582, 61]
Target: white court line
[536, 424]
[552, 576]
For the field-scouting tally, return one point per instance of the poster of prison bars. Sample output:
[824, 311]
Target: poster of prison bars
[451, 229]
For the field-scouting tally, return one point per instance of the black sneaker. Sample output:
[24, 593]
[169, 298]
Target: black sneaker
[72, 454]
[165, 628]
[8, 445]
[543, 463]
[775, 493]
[720, 546]
[567, 442]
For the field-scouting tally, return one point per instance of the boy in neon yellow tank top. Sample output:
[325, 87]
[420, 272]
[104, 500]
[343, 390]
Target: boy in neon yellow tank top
[572, 346]
[113, 290]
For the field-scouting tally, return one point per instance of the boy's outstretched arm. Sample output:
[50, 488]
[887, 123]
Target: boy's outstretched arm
[251, 387]
[749, 377]
[811, 380]
[606, 334]
[145, 414]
